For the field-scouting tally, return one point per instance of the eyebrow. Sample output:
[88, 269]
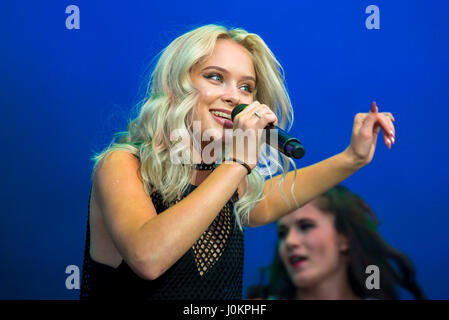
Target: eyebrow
[300, 220]
[226, 71]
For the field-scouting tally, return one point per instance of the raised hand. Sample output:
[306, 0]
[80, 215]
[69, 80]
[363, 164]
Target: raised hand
[364, 134]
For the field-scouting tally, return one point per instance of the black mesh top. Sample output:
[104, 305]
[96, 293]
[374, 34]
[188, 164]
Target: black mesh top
[211, 269]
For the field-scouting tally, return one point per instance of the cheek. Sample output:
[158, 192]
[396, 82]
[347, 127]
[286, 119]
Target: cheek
[207, 93]
[203, 101]
[325, 247]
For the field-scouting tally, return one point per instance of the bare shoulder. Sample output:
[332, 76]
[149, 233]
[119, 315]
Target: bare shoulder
[117, 168]
[122, 202]
[117, 160]
[117, 177]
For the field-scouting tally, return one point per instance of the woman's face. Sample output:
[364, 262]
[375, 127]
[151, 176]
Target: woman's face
[224, 80]
[309, 245]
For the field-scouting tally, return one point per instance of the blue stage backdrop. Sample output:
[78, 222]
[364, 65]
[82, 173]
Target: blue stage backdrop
[65, 92]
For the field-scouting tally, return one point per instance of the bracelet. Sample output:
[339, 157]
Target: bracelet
[241, 162]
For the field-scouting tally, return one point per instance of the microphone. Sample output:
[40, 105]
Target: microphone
[288, 145]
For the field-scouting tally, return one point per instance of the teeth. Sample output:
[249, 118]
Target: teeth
[221, 114]
[295, 259]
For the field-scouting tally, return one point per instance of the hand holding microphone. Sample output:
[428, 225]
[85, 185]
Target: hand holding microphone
[286, 144]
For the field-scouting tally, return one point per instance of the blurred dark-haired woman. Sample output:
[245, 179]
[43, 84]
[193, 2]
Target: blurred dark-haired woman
[324, 249]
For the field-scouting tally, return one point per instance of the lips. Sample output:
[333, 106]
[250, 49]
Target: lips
[222, 121]
[227, 111]
[297, 260]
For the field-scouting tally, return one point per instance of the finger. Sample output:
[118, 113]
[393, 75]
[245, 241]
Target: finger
[371, 117]
[269, 118]
[387, 126]
[267, 113]
[389, 115]
[369, 121]
[248, 110]
[393, 129]
[359, 119]
[376, 133]
[251, 107]
[376, 129]
[373, 111]
[387, 141]
[371, 127]
[367, 130]
[388, 138]
[389, 120]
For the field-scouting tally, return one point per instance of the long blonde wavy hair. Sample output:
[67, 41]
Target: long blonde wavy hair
[169, 103]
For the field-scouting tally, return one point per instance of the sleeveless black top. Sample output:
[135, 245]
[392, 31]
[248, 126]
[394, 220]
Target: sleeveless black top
[211, 269]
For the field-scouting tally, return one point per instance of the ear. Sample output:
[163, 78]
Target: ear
[343, 243]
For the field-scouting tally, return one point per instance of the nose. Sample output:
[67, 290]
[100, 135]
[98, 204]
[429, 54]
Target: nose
[293, 239]
[231, 96]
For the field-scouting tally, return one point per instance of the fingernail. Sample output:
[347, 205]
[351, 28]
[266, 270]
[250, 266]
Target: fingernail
[392, 139]
[392, 133]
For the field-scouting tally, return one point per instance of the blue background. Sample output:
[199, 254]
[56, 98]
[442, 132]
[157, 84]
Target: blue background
[65, 92]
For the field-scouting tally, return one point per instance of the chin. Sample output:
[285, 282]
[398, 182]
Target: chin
[212, 129]
[304, 280]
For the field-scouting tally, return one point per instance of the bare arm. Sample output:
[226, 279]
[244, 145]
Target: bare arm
[150, 242]
[316, 179]
[310, 182]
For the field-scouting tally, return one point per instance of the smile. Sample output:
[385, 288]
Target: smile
[222, 118]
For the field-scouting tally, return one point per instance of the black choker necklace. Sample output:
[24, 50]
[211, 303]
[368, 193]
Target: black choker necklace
[205, 166]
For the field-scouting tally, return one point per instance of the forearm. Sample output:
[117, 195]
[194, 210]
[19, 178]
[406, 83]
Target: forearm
[310, 182]
[164, 239]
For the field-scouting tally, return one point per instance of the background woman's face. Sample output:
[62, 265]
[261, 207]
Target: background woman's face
[224, 80]
[309, 245]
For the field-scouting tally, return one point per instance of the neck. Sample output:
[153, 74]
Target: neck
[197, 155]
[201, 172]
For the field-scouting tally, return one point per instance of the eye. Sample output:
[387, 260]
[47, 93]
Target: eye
[214, 76]
[306, 226]
[282, 233]
[249, 88]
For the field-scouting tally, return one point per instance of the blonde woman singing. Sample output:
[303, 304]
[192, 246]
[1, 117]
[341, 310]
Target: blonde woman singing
[160, 229]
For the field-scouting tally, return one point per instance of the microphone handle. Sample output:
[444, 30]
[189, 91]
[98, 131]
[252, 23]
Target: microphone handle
[286, 144]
